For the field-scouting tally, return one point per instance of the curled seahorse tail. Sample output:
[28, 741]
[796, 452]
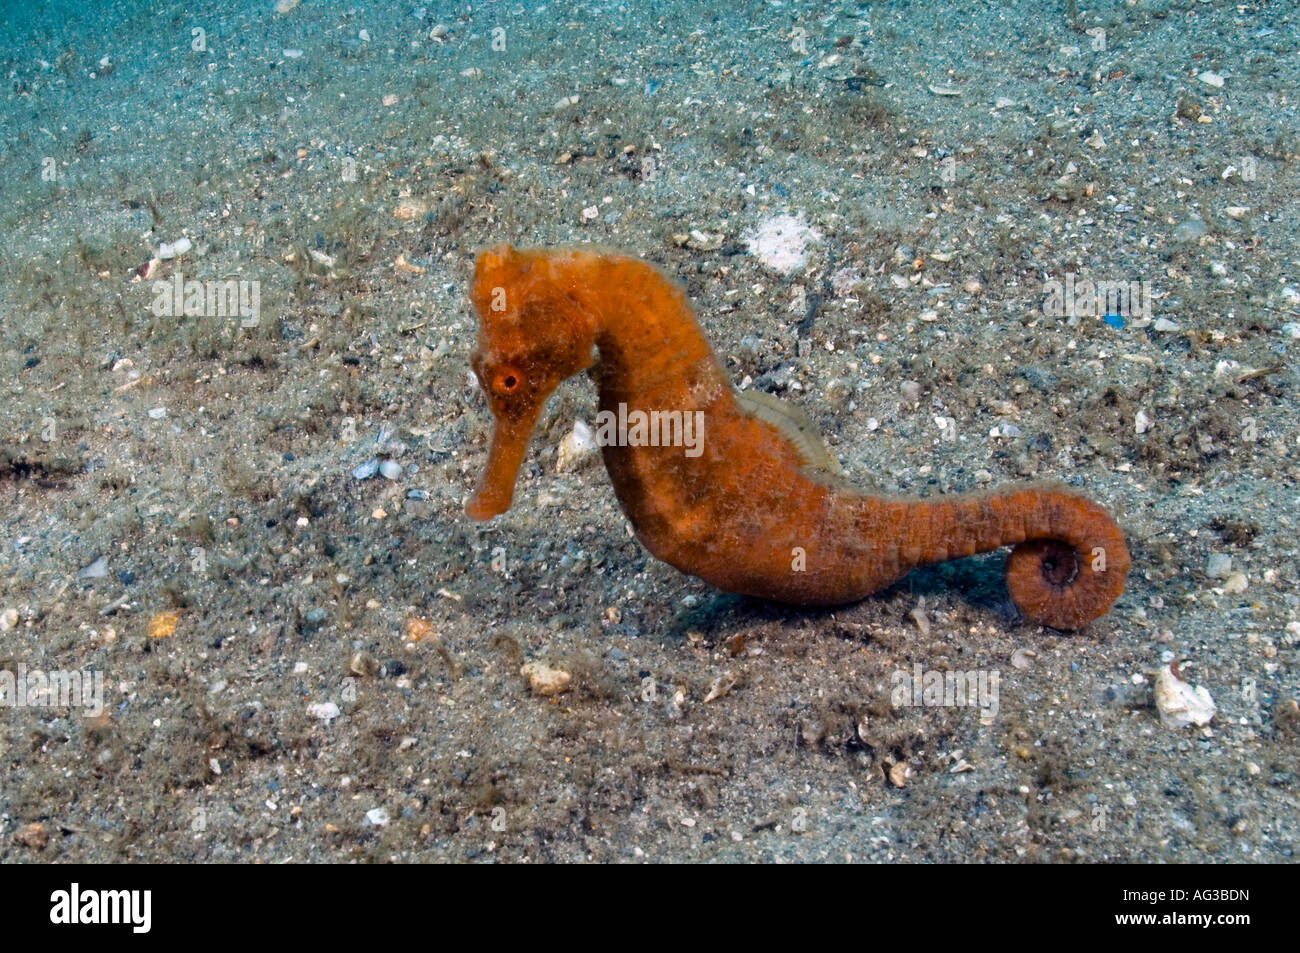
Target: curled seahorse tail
[1071, 565]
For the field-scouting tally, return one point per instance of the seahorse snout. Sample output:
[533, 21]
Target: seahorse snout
[497, 487]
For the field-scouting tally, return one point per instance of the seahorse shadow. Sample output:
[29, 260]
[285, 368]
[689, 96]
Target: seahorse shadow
[978, 580]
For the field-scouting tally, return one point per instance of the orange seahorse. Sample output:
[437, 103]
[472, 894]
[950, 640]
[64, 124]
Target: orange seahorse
[748, 510]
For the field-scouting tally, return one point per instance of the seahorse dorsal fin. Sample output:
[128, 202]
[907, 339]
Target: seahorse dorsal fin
[794, 424]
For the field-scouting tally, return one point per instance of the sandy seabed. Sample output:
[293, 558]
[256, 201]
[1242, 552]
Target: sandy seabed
[301, 657]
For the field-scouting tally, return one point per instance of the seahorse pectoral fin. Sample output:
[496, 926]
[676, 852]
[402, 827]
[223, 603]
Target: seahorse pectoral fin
[793, 424]
[506, 454]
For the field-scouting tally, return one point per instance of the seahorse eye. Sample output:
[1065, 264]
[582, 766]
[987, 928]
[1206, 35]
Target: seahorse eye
[506, 380]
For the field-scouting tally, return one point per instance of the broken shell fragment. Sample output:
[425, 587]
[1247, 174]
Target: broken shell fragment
[169, 250]
[401, 264]
[900, 773]
[722, 685]
[1179, 704]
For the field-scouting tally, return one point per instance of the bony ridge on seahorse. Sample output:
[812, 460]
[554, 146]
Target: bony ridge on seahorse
[757, 510]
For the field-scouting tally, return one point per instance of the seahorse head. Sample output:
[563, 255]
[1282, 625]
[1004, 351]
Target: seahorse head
[534, 331]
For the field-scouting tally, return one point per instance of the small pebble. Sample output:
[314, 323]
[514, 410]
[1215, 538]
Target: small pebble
[325, 711]
[545, 680]
[96, 570]
[1190, 230]
[163, 625]
[377, 816]
[33, 836]
[1218, 565]
[390, 469]
[1236, 583]
[366, 470]
[705, 241]
[363, 664]
[408, 210]
[418, 629]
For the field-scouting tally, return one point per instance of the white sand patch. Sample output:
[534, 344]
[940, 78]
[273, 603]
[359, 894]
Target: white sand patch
[781, 242]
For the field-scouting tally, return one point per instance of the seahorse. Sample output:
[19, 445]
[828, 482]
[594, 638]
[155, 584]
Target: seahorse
[754, 508]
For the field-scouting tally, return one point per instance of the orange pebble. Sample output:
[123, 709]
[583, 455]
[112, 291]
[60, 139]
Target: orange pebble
[418, 629]
[163, 625]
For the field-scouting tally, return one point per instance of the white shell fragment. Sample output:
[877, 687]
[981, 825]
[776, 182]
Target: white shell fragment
[721, 686]
[325, 711]
[578, 446]
[1179, 704]
[170, 250]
